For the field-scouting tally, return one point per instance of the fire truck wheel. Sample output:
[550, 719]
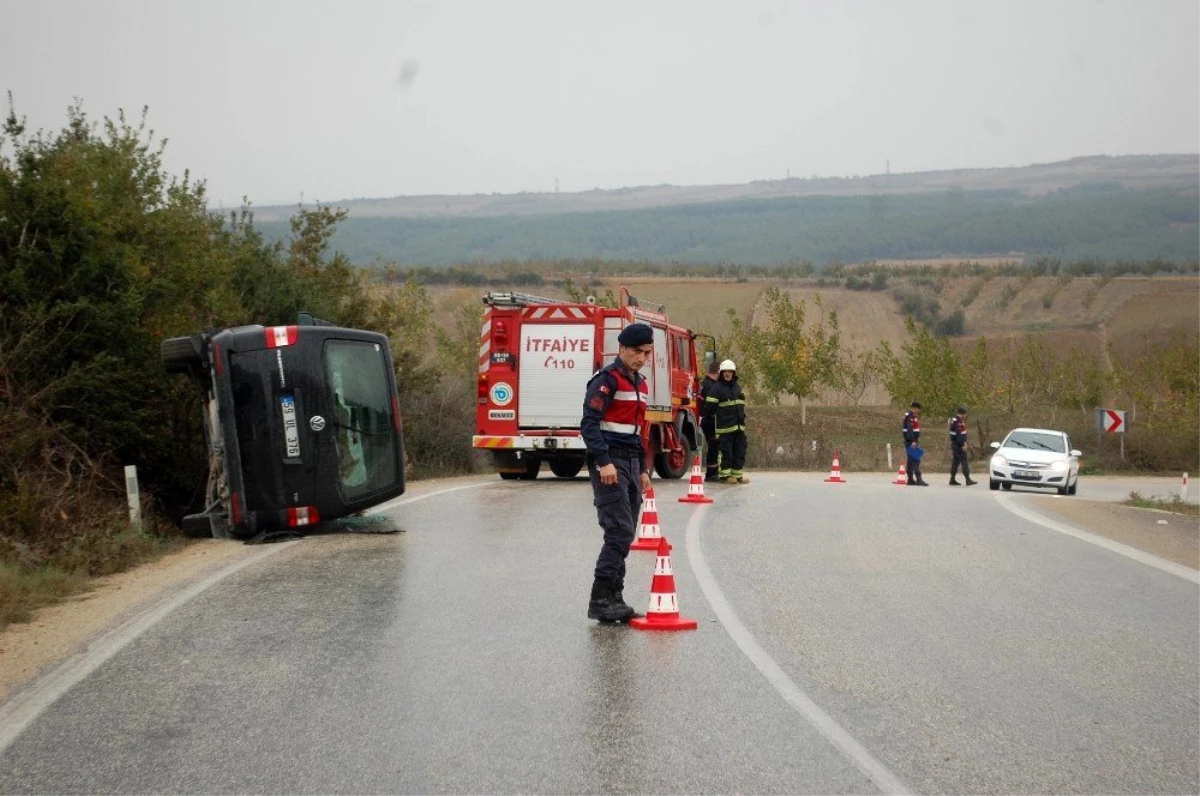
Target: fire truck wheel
[566, 468]
[672, 464]
[531, 469]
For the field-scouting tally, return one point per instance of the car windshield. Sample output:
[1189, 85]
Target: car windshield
[366, 439]
[1036, 441]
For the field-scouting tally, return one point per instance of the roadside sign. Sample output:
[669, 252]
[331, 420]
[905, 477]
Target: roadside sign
[1111, 420]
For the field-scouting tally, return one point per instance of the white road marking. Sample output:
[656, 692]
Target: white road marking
[876, 771]
[1187, 573]
[23, 709]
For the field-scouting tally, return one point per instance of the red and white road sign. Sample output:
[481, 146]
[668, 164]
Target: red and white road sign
[1114, 421]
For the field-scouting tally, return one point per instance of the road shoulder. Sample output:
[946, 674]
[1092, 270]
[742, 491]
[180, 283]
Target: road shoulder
[1174, 537]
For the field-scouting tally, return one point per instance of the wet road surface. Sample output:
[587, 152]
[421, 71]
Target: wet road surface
[853, 638]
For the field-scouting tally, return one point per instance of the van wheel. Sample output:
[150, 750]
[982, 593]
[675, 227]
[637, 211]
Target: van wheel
[566, 468]
[179, 354]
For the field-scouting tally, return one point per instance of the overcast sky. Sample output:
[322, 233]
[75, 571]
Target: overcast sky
[282, 101]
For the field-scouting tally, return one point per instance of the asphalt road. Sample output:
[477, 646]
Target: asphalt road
[853, 638]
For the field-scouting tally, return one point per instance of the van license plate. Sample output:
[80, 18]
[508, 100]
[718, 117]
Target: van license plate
[291, 434]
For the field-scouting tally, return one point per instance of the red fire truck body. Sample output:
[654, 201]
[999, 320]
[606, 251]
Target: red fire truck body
[536, 356]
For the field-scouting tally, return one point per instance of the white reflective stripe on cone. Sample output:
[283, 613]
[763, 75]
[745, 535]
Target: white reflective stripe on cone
[663, 604]
[662, 566]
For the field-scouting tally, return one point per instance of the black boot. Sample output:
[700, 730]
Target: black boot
[970, 482]
[605, 606]
[954, 482]
[618, 594]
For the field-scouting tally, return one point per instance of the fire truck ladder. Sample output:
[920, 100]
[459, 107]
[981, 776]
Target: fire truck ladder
[510, 299]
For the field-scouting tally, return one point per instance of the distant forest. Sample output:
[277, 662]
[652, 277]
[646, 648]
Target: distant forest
[1104, 221]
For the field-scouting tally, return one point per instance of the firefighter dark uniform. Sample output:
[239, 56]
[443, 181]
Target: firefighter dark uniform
[708, 424]
[727, 405]
[614, 409]
[958, 445]
[911, 428]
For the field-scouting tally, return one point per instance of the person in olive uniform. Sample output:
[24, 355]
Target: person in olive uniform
[911, 428]
[958, 444]
[712, 451]
[726, 403]
[614, 409]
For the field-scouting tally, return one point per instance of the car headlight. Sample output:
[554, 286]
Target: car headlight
[1058, 466]
[999, 461]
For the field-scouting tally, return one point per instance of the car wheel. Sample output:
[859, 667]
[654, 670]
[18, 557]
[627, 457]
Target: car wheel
[1074, 487]
[1007, 487]
[1062, 490]
[994, 485]
[510, 476]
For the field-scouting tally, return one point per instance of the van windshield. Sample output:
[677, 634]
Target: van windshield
[365, 432]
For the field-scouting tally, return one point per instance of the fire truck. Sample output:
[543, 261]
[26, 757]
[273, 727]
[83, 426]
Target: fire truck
[536, 356]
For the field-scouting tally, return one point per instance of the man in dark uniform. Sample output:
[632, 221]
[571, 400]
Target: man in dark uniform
[708, 424]
[911, 427]
[958, 444]
[614, 409]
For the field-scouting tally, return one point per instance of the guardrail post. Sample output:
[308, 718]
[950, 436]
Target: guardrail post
[135, 503]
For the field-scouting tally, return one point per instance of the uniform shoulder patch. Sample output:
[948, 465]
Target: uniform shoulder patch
[604, 389]
[597, 402]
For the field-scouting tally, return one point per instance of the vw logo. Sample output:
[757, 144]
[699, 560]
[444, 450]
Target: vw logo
[316, 422]
[502, 394]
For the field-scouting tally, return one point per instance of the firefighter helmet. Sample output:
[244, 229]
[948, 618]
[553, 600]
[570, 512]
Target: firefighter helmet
[728, 365]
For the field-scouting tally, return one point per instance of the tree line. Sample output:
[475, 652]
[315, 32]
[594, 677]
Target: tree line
[1104, 221]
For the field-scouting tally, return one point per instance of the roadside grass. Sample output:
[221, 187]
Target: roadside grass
[30, 580]
[1175, 505]
[23, 591]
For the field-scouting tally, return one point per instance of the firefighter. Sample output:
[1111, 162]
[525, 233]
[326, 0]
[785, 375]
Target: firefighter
[614, 409]
[727, 405]
[958, 444]
[712, 451]
[911, 428]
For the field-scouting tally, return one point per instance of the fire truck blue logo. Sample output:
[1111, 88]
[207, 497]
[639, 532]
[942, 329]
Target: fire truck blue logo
[502, 394]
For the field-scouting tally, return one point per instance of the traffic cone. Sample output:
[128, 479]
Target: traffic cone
[835, 475]
[901, 476]
[663, 612]
[648, 532]
[696, 486]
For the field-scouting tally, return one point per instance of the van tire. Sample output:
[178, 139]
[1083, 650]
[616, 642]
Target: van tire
[179, 354]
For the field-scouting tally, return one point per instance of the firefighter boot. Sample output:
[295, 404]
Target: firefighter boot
[970, 482]
[605, 606]
[955, 482]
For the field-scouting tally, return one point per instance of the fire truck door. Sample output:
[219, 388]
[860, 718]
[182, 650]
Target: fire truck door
[659, 372]
[555, 364]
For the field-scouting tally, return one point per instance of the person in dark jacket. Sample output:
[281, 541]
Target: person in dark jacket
[727, 405]
[712, 451]
[958, 445]
[911, 428]
[614, 409]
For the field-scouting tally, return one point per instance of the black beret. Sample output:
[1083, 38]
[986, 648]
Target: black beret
[636, 334]
[915, 404]
[962, 410]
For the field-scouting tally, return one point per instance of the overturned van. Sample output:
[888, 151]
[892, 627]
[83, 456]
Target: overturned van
[302, 424]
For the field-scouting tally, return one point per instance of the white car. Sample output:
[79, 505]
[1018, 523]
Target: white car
[1035, 457]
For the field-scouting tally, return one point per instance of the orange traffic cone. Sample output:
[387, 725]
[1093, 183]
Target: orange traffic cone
[696, 486]
[835, 475]
[901, 476]
[648, 532]
[663, 612]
